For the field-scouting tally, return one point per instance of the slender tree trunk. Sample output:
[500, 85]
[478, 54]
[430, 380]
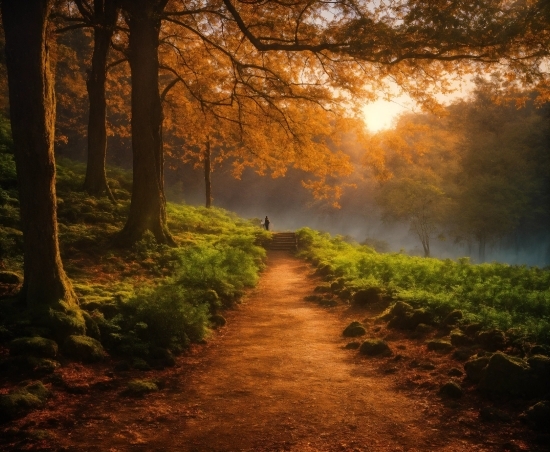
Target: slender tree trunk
[208, 173]
[148, 204]
[95, 184]
[481, 249]
[32, 113]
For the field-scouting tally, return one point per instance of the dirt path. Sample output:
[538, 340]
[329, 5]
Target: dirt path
[276, 378]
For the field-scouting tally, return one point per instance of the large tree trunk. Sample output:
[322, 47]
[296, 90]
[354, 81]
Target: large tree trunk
[208, 173]
[32, 113]
[106, 13]
[148, 205]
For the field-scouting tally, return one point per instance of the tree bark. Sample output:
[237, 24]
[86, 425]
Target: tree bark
[32, 114]
[106, 13]
[148, 204]
[208, 173]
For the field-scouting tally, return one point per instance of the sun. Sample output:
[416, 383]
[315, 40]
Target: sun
[380, 115]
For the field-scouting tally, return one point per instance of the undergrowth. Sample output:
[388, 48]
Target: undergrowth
[496, 295]
[149, 300]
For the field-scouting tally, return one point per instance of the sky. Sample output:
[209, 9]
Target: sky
[381, 114]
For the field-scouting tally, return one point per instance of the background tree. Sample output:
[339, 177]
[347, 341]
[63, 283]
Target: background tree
[502, 147]
[415, 163]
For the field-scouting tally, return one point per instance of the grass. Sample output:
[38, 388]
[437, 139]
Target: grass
[497, 295]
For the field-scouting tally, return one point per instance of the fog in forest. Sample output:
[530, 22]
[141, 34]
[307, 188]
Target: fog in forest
[289, 207]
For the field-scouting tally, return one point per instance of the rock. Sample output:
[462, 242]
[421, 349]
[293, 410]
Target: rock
[138, 388]
[400, 308]
[540, 350]
[7, 277]
[539, 375]
[338, 284]
[352, 345]
[34, 346]
[454, 372]
[83, 348]
[463, 354]
[92, 329]
[63, 323]
[452, 318]
[20, 402]
[354, 329]
[45, 366]
[474, 368]
[423, 329]
[315, 298]
[328, 303]
[492, 340]
[323, 288]
[472, 329]
[451, 389]
[426, 366]
[504, 374]
[218, 320]
[401, 322]
[345, 294]
[368, 296]
[421, 316]
[459, 339]
[538, 416]
[122, 366]
[375, 347]
[162, 357]
[439, 345]
[140, 364]
[491, 414]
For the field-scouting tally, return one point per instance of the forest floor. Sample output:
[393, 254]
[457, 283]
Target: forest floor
[277, 377]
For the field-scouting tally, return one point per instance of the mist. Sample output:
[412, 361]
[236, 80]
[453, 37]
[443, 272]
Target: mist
[290, 206]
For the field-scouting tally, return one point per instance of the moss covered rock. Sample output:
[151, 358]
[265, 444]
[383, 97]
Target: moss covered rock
[375, 347]
[20, 402]
[354, 329]
[505, 374]
[139, 388]
[218, 320]
[439, 345]
[538, 416]
[474, 367]
[459, 339]
[83, 348]
[365, 297]
[92, 329]
[62, 322]
[492, 340]
[400, 308]
[34, 346]
[451, 389]
[7, 277]
[452, 318]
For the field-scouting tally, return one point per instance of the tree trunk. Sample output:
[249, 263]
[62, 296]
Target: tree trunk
[148, 204]
[481, 249]
[96, 178]
[207, 174]
[32, 114]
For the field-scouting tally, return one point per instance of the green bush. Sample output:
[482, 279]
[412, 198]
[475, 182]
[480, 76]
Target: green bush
[497, 295]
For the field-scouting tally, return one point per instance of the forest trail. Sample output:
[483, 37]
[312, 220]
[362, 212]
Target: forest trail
[277, 377]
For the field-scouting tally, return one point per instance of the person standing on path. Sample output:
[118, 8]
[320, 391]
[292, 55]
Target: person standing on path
[266, 222]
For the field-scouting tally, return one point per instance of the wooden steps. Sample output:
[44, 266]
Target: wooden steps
[283, 241]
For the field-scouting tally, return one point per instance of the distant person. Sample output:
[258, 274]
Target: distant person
[266, 223]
